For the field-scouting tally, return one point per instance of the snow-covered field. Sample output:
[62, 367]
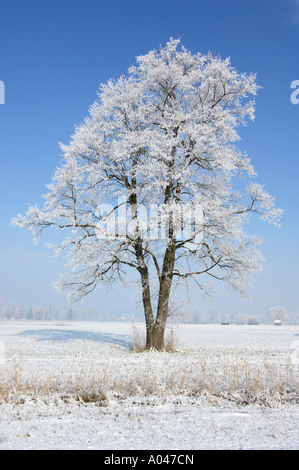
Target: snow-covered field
[77, 385]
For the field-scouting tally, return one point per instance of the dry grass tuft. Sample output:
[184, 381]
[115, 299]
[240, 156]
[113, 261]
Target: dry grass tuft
[139, 341]
[96, 373]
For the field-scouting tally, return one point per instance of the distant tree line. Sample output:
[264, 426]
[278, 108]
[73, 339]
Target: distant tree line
[214, 316]
[11, 311]
[237, 317]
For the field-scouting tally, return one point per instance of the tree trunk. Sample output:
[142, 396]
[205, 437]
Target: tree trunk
[155, 330]
[155, 334]
[147, 307]
[155, 337]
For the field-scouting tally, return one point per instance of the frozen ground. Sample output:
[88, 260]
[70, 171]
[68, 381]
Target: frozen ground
[80, 386]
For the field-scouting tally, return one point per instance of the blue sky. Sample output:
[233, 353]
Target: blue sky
[53, 57]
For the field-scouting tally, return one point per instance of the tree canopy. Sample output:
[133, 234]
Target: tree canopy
[153, 182]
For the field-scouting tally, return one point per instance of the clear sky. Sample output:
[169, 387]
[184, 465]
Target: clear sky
[53, 56]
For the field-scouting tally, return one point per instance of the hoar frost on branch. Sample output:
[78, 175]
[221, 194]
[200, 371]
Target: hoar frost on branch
[164, 135]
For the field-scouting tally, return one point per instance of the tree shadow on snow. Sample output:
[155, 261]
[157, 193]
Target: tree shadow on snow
[73, 335]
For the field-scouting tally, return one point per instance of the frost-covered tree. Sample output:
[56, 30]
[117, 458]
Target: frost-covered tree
[9, 311]
[278, 313]
[1, 307]
[160, 140]
[214, 315]
[240, 318]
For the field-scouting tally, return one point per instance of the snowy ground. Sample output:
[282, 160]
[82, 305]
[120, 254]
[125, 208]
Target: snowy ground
[80, 386]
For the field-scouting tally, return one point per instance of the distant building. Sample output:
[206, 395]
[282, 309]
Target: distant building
[277, 322]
